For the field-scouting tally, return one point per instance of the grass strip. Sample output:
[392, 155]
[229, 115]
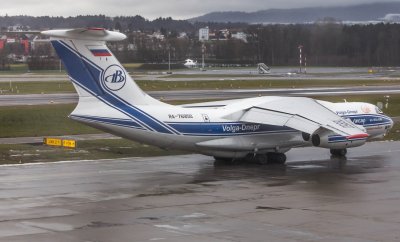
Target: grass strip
[257, 84]
[41, 120]
[48, 87]
[86, 150]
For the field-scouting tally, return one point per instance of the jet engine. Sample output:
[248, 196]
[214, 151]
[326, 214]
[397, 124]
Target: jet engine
[330, 140]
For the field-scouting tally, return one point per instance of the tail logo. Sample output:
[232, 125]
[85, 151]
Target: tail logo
[114, 78]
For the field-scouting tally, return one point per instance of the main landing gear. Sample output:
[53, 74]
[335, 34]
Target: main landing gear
[262, 159]
[267, 159]
[338, 152]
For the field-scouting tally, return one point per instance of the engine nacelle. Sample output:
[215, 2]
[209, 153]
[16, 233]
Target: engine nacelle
[330, 140]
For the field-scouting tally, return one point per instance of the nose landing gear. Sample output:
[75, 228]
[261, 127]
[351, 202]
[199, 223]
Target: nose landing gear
[338, 152]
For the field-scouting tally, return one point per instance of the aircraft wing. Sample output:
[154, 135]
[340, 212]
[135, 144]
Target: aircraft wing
[300, 113]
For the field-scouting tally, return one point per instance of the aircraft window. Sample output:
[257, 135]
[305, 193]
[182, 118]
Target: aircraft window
[378, 110]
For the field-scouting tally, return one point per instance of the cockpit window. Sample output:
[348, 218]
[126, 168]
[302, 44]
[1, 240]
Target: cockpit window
[378, 110]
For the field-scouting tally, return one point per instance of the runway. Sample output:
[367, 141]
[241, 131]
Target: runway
[230, 73]
[64, 98]
[189, 198]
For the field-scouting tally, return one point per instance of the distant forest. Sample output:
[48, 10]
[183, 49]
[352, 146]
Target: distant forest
[328, 44]
[325, 44]
[123, 23]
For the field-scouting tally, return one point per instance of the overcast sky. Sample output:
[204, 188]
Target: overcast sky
[150, 9]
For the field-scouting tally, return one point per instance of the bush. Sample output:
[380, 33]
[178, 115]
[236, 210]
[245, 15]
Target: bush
[43, 63]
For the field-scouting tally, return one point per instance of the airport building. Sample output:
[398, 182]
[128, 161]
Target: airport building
[204, 34]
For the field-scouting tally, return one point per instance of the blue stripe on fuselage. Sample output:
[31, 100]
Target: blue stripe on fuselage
[368, 120]
[198, 129]
[113, 121]
[236, 128]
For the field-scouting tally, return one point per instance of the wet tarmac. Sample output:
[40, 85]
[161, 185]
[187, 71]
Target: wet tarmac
[189, 198]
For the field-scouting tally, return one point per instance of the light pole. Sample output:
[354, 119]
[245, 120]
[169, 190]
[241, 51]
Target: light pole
[203, 50]
[169, 59]
[300, 59]
[305, 64]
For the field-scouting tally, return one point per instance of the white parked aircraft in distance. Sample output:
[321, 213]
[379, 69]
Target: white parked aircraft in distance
[260, 128]
[190, 63]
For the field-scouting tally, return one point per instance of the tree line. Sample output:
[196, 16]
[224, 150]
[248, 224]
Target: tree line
[277, 45]
[325, 43]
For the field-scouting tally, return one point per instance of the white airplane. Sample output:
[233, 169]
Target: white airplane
[262, 129]
[189, 63]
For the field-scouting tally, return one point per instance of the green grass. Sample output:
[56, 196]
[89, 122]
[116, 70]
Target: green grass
[17, 68]
[257, 84]
[394, 133]
[48, 87]
[86, 150]
[37, 87]
[31, 121]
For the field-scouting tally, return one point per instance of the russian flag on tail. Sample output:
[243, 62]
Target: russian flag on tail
[100, 52]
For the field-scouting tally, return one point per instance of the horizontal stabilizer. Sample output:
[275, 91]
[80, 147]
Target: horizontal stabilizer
[96, 34]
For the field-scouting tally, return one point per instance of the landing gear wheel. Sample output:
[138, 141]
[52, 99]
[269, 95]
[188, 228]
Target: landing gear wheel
[261, 159]
[276, 158]
[339, 152]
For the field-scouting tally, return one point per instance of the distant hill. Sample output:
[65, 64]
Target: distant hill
[362, 12]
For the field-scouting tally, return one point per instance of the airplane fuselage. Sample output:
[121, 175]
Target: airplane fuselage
[201, 128]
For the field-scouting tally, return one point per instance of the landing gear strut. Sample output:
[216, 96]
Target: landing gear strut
[338, 152]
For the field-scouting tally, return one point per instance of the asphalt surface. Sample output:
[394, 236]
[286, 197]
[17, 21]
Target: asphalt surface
[189, 198]
[232, 73]
[33, 78]
[38, 99]
[64, 98]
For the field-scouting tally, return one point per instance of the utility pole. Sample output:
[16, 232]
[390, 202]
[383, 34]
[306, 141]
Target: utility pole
[203, 50]
[305, 64]
[169, 59]
[300, 59]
